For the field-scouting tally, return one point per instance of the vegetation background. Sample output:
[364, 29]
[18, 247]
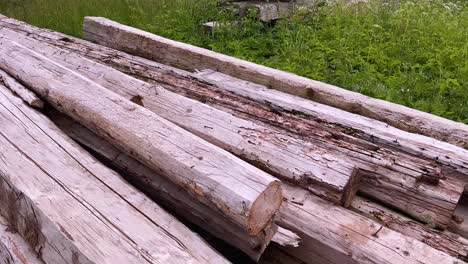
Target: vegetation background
[413, 53]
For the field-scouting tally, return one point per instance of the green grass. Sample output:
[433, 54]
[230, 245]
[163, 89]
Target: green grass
[409, 52]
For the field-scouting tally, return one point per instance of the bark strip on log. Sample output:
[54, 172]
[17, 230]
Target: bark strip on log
[70, 208]
[246, 195]
[170, 195]
[447, 242]
[29, 97]
[13, 248]
[332, 234]
[141, 43]
[288, 158]
[425, 195]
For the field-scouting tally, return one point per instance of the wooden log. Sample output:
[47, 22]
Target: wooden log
[13, 248]
[278, 255]
[311, 167]
[319, 216]
[332, 234]
[459, 224]
[141, 43]
[371, 130]
[385, 162]
[447, 242]
[264, 11]
[246, 195]
[172, 196]
[29, 97]
[72, 209]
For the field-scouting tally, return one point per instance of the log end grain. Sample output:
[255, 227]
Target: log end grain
[351, 188]
[265, 207]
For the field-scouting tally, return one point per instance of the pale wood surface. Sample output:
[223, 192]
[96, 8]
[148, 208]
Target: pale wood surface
[21, 91]
[13, 248]
[138, 42]
[447, 242]
[248, 196]
[365, 128]
[72, 209]
[460, 223]
[371, 150]
[318, 215]
[177, 199]
[265, 11]
[332, 234]
[288, 158]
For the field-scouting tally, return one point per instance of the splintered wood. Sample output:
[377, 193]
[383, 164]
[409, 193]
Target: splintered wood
[279, 177]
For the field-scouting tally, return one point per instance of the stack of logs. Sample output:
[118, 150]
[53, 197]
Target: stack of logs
[96, 136]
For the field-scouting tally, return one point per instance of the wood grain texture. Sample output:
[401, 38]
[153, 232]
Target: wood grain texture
[13, 248]
[248, 196]
[264, 11]
[447, 242]
[332, 234]
[364, 128]
[29, 97]
[320, 217]
[372, 145]
[291, 159]
[385, 169]
[141, 43]
[170, 195]
[72, 209]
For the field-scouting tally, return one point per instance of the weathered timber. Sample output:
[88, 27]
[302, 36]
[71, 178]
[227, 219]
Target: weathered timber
[13, 248]
[141, 43]
[244, 194]
[291, 159]
[318, 215]
[29, 97]
[459, 224]
[278, 255]
[447, 242]
[72, 209]
[386, 163]
[264, 11]
[371, 130]
[332, 234]
[172, 196]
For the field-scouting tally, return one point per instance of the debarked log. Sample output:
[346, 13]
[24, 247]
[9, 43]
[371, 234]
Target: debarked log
[70, 208]
[170, 195]
[332, 239]
[401, 169]
[29, 97]
[288, 158]
[244, 194]
[333, 234]
[138, 42]
[13, 248]
[445, 241]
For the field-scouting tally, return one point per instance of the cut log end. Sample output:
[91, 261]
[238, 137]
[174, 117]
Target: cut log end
[265, 207]
[351, 188]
